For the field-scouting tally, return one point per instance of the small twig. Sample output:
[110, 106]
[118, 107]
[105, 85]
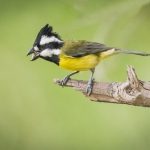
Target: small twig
[132, 92]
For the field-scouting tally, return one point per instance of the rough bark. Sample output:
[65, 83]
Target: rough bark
[132, 92]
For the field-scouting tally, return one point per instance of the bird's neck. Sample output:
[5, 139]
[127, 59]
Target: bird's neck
[54, 59]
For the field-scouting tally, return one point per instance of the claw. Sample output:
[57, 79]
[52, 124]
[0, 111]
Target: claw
[67, 78]
[89, 90]
[89, 87]
[64, 81]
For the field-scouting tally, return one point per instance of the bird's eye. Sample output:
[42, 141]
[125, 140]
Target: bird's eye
[42, 47]
[39, 46]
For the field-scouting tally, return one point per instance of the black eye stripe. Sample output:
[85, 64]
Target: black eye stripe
[52, 45]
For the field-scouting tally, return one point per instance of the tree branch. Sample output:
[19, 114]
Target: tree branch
[132, 92]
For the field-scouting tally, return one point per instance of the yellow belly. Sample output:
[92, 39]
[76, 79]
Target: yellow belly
[79, 64]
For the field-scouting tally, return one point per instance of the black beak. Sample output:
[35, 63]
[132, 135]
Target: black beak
[35, 55]
[30, 52]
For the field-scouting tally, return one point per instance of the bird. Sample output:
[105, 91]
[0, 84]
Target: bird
[73, 55]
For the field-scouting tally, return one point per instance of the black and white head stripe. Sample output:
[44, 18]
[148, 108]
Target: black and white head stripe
[50, 53]
[46, 39]
[47, 45]
[46, 36]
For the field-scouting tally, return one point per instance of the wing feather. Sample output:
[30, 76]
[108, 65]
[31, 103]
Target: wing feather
[83, 48]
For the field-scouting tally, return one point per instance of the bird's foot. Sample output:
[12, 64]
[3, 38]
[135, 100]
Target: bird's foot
[64, 81]
[66, 78]
[89, 87]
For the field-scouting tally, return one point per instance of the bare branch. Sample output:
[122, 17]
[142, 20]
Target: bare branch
[132, 92]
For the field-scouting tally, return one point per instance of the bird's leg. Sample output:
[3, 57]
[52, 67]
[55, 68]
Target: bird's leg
[66, 78]
[90, 83]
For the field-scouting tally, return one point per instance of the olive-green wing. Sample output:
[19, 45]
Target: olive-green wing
[83, 48]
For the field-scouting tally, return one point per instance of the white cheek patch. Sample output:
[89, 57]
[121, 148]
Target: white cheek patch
[55, 51]
[49, 52]
[46, 53]
[46, 40]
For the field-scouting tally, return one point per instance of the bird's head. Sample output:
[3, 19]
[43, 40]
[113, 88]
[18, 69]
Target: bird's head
[47, 44]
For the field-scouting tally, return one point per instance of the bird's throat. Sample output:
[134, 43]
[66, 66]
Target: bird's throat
[55, 59]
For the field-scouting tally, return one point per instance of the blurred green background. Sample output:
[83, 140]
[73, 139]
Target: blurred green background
[36, 114]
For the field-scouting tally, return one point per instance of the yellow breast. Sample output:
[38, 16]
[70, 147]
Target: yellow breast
[78, 63]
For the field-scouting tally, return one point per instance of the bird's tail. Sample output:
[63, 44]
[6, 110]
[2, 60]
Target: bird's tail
[131, 52]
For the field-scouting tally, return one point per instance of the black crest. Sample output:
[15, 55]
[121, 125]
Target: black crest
[47, 31]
